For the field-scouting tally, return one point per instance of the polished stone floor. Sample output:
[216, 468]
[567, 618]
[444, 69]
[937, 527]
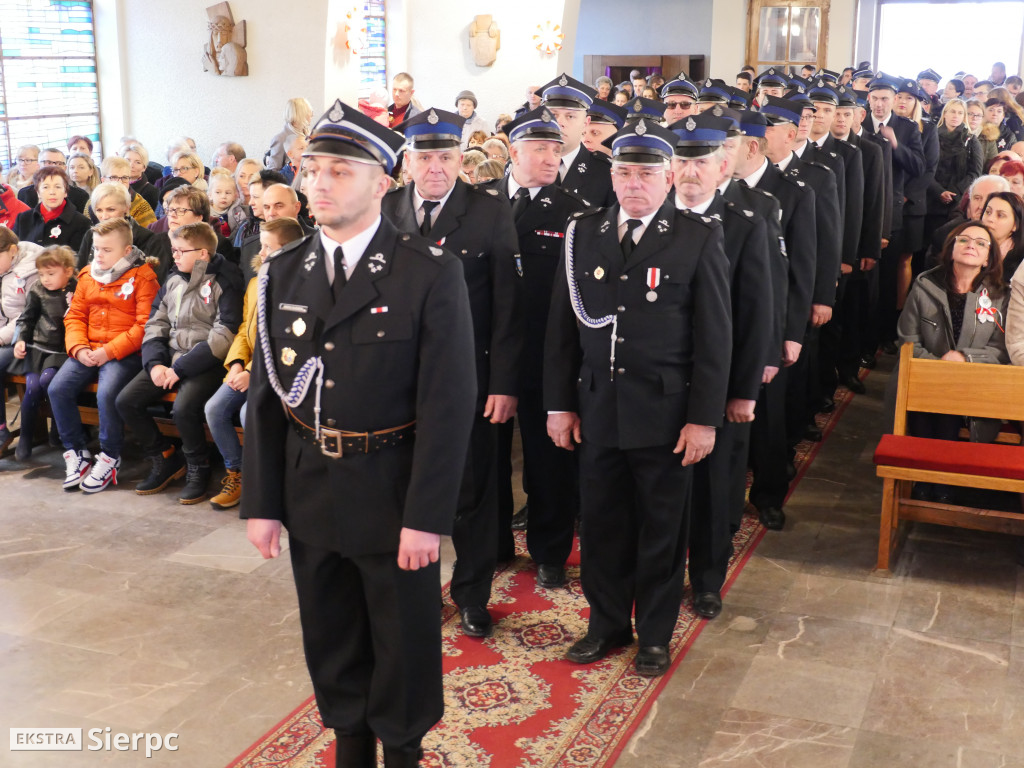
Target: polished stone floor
[142, 615]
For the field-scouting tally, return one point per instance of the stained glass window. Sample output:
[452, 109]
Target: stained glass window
[48, 88]
[373, 58]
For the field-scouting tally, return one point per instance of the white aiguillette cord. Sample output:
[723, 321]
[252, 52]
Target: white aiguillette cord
[577, 302]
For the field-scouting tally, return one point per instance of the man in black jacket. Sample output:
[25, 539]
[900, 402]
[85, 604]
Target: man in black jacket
[360, 409]
[476, 225]
[541, 209]
[636, 372]
[699, 164]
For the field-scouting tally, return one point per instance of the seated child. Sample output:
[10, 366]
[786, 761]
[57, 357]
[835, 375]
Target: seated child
[40, 345]
[224, 202]
[230, 398]
[188, 335]
[17, 274]
[103, 334]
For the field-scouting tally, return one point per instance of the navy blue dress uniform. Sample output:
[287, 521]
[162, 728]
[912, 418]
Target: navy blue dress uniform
[360, 409]
[638, 345]
[587, 174]
[908, 163]
[869, 246]
[719, 481]
[476, 225]
[550, 474]
[768, 455]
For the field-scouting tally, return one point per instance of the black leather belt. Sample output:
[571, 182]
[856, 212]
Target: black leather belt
[335, 443]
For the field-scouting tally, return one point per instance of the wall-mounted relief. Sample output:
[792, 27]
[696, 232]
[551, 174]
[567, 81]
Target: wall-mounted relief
[224, 54]
[484, 40]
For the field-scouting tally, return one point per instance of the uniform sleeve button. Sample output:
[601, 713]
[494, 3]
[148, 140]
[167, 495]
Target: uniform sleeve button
[619, 340]
[331, 422]
[620, 308]
[623, 277]
[380, 334]
[329, 346]
[329, 383]
[621, 370]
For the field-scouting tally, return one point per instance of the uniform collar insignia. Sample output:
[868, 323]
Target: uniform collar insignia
[582, 167]
[375, 268]
[545, 201]
[435, 250]
[377, 257]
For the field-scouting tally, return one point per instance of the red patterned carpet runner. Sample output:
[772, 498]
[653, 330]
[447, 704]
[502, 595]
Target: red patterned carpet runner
[512, 700]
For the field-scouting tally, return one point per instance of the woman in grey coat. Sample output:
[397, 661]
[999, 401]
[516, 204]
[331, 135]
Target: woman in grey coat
[957, 312]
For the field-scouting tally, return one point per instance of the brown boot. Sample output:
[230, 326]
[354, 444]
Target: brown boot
[230, 491]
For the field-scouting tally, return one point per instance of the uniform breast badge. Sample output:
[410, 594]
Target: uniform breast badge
[288, 356]
[299, 327]
[599, 273]
[653, 281]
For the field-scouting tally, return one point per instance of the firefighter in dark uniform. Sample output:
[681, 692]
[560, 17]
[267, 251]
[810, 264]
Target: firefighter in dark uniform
[720, 481]
[797, 226]
[360, 411]
[541, 209]
[581, 171]
[636, 372]
[476, 225]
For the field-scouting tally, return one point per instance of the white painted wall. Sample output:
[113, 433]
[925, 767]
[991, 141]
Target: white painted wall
[158, 48]
[728, 38]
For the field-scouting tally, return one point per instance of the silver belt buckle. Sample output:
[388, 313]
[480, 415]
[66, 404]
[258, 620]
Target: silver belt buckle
[330, 442]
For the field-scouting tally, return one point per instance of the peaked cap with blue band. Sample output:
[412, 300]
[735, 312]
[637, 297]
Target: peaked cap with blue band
[643, 142]
[607, 113]
[640, 108]
[701, 134]
[778, 111]
[753, 123]
[567, 92]
[536, 125]
[347, 133]
[433, 129]
[681, 86]
[714, 90]
[772, 78]
[823, 90]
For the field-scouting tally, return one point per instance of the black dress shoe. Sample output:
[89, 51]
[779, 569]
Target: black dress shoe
[827, 405]
[854, 384]
[652, 661]
[402, 757]
[476, 621]
[813, 433]
[550, 576]
[589, 649]
[519, 518]
[790, 471]
[772, 518]
[867, 361]
[708, 604]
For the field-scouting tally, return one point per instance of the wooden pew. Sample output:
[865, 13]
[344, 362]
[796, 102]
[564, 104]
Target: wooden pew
[962, 389]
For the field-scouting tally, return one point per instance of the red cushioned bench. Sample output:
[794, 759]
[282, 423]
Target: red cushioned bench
[964, 389]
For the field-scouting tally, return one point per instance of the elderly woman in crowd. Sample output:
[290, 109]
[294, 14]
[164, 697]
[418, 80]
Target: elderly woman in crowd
[83, 172]
[138, 160]
[117, 170]
[188, 166]
[956, 311]
[298, 118]
[54, 221]
[25, 165]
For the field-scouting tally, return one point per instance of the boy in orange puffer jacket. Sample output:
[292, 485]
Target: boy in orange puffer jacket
[103, 331]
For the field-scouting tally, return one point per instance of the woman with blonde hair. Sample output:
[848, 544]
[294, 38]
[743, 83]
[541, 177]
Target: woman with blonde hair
[298, 118]
[188, 166]
[138, 160]
[960, 161]
[83, 172]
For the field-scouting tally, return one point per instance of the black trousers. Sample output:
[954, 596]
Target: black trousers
[869, 310]
[852, 319]
[506, 540]
[551, 481]
[830, 347]
[633, 530]
[372, 637]
[719, 484]
[475, 531]
[189, 412]
[768, 450]
[888, 269]
[799, 378]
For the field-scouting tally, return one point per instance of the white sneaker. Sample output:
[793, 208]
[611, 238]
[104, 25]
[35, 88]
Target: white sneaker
[104, 472]
[76, 466]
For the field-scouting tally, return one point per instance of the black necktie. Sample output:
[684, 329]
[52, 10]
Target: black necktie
[339, 273]
[627, 239]
[428, 207]
[520, 200]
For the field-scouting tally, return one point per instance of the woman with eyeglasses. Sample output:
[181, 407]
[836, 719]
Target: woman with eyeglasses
[957, 312]
[25, 166]
[54, 221]
[188, 166]
[1003, 214]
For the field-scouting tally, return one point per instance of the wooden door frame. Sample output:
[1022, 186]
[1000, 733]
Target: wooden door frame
[753, 28]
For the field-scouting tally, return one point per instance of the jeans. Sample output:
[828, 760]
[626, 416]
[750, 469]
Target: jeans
[6, 358]
[191, 397]
[36, 385]
[220, 415]
[70, 380]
